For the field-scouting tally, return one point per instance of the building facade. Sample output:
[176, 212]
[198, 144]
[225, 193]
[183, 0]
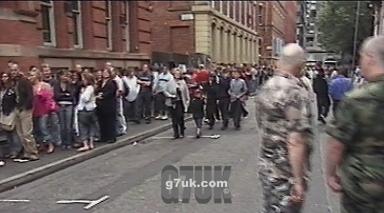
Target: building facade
[379, 17]
[272, 30]
[193, 32]
[65, 33]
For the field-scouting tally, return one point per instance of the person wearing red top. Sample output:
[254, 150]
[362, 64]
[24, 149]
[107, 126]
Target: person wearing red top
[201, 76]
[45, 109]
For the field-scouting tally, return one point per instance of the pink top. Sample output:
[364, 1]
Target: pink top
[43, 102]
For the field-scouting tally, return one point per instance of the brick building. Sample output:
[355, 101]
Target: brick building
[191, 32]
[292, 9]
[277, 27]
[65, 33]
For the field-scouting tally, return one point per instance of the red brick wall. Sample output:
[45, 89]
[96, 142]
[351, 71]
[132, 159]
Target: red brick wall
[28, 34]
[290, 23]
[170, 34]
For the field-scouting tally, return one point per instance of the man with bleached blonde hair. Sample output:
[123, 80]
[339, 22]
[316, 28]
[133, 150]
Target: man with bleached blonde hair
[285, 126]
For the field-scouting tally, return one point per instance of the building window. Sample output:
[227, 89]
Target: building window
[48, 23]
[245, 18]
[234, 9]
[77, 29]
[213, 4]
[240, 11]
[126, 25]
[221, 6]
[228, 8]
[108, 21]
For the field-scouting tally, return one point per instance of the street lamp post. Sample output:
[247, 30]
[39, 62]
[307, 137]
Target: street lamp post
[356, 33]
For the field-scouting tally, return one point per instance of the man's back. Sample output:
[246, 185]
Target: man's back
[282, 108]
[359, 126]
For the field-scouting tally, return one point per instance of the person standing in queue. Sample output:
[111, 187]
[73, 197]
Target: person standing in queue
[144, 99]
[86, 113]
[285, 127]
[355, 156]
[106, 107]
[178, 99]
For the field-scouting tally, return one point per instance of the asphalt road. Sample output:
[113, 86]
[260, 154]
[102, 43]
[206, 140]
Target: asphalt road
[131, 177]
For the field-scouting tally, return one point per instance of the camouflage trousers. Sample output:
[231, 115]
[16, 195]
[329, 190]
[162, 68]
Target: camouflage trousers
[277, 195]
[351, 205]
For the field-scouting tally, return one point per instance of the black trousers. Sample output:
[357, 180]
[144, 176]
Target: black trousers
[144, 102]
[211, 112]
[224, 110]
[107, 123]
[160, 108]
[322, 109]
[177, 115]
[130, 110]
[236, 112]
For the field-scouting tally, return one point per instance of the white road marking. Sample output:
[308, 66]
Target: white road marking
[91, 203]
[16, 201]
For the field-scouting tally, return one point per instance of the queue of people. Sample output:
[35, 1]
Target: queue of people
[42, 111]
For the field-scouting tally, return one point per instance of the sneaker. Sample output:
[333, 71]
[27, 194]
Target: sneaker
[158, 117]
[2, 163]
[164, 117]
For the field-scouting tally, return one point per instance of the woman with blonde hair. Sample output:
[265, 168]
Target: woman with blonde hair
[177, 101]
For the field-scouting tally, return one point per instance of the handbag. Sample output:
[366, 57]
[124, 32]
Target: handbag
[7, 122]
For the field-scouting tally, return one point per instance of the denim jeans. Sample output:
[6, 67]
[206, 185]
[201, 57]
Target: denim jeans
[14, 143]
[49, 128]
[160, 108]
[87, 125]
[66, 121]
[144, 102]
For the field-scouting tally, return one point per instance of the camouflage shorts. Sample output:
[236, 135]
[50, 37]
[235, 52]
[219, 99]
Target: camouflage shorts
[277, 194]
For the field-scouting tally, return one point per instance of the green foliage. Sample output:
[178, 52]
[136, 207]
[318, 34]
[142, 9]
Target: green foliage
[337, 22]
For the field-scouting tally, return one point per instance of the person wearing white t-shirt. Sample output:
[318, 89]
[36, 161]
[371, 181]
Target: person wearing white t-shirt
[130, 106]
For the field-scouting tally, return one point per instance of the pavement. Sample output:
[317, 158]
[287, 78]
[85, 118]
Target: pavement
[131, 176]
[15, 174]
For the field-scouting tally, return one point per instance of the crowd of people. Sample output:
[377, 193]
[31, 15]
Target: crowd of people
[41, 111]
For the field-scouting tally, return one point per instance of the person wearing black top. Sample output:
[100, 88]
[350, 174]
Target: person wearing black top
[106, 107]
[144, 99]
[224, 98]
[197, 109]
[65, 96]
[320, 87]
[211, 90]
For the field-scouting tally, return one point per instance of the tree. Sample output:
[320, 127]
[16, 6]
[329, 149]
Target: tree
[337, 22]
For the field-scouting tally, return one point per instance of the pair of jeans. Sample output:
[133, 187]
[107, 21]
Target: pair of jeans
[144, 102]
[13, 140]
[24, 129]
[87, 125]
[49, 128]
[66, 122]
[121, 124]
[160, 108]
[198, 122]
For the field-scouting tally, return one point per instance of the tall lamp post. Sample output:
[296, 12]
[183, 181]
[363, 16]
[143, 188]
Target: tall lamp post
[356, 33]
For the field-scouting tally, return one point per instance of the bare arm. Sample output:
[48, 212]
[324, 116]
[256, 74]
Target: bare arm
[335, 154]
[297, 151]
